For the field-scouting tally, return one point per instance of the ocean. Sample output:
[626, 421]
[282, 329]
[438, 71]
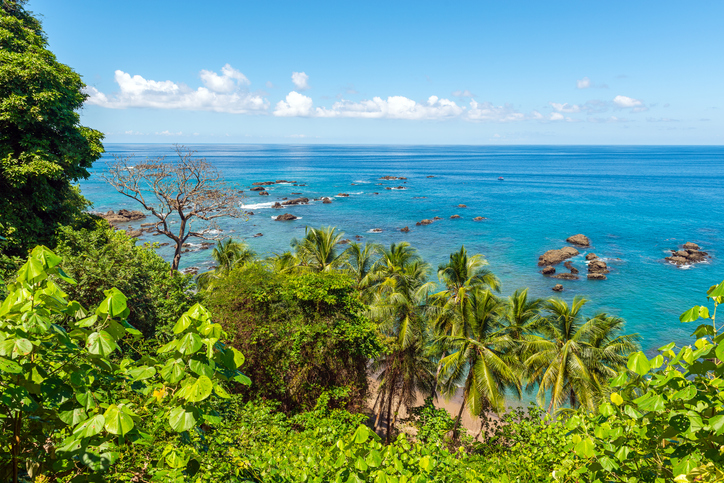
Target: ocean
[635, 203]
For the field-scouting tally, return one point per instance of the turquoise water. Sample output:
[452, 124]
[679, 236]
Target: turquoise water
[634, 203]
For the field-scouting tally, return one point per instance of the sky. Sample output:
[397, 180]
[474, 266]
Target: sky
[395, 72]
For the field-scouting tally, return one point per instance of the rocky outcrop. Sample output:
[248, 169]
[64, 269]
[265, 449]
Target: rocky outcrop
[591, 256]
[283, 181]
[454, 217]
[344, 241]
[570, 267]
[596, 276]
[597, 266]
[123, 216]
[554, 257]
[430, 176]
[392, 177]
[263, 183]
[424, 222]
[343, 195]
[405, 230]
[557, 288]
[277, 206]
[258, 235]
[286, 217]
[565, 276]
[580, 240]
[133, 233]
[297, 201]
[436, 218]
[190, 270]
[376, 230]
[258, 188]
[327, 201]
[263, 193]
[462, 206]
[549, 270]
[479, 218]
[688, 254]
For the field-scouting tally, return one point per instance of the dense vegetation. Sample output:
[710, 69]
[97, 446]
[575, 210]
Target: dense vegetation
[112, 368]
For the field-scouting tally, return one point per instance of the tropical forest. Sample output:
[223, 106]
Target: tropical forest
[331, 361]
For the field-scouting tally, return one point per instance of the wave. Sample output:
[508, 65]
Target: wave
[274, 217]
[375, 230]
[258, 206]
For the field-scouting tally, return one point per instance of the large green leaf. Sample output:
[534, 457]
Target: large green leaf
[639, 363]
[201, 368]
[15, 347]
[117, 421]
[184, 322]
[197, 390]
[173, 371]
[181, 419]
[141, 373]
[690, 315]
[101, 343]
[90, 427]
[73, 417]
[189, 344]
[45, 256]
[114, 305]
[10, 366]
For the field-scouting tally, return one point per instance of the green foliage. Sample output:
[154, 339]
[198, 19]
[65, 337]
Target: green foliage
[101, 258]
[43, 147]
[72, 402]
[665, 420]
[431, 423]
[302, 334]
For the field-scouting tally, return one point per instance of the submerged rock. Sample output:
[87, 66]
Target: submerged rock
[263, 183]
[277, 205]
[327, 201]
[557, 288]
[286, 217]
[596, 276]
[462, 206]
[570, 267]
[565, 276]
[263, 193]
[297, 201]
[258, 188]
[424, 222]
[405, 230]
[479, 218]
[454, 217]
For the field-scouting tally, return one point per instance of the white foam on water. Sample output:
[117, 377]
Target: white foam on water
[275, 217]
[258, 206]
[375, 230]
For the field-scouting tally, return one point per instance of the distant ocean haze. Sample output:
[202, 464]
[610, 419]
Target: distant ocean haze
[634, 203]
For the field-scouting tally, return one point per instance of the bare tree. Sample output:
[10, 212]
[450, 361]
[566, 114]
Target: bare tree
[188, 192]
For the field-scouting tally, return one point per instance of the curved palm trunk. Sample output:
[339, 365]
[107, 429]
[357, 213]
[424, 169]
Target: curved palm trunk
[458, 418]
[383, 391]
[397, 411]
[389, 415]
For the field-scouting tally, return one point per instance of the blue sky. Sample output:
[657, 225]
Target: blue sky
[396, 72]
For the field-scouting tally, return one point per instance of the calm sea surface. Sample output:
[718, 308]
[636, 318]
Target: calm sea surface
[634, 203]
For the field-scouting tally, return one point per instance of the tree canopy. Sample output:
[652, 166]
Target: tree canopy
[43, 147]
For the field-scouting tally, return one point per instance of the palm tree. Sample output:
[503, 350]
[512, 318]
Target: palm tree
[318, 251]
[450, 308]
[285, 262]
[481, 358]
[359, 261]
[521, 314]
[227, 254]
[399, 289]
[571, 357]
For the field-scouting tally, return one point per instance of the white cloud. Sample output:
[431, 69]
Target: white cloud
[394, 107]
[557, 116]
[584, 83]
[226, 82]
[486, 111]
[465, 93]
[297, 136]
[296, 105]
[565, 107]
[269, 85]
[169, 133]
[300, 80]
[223, 93]
[624, 101]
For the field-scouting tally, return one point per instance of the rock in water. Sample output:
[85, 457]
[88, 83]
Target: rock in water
[557, 288]
[462, 206]
[591, 256]
[327, 201]
[258, 188]
[570, 267]
[405, 230]
[479, 218]
[424, 222]
[580, 240]
[297, 201]
[554, 257]
[597, 266]
[286, 217]
[691, 246]
[596, 276]
[263, 193]
[454, 217]
[549, 270]
[277, 205]
[566, 276]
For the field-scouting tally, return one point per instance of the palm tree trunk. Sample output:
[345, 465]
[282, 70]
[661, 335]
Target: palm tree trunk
[573, 399]
[389, 411]
[383, 390]
[458, 418]
[397, 411]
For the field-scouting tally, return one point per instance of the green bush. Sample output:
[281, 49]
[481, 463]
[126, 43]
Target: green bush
[100, 257]
[303, 335]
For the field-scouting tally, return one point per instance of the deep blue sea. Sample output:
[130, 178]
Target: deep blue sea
[634, 203]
